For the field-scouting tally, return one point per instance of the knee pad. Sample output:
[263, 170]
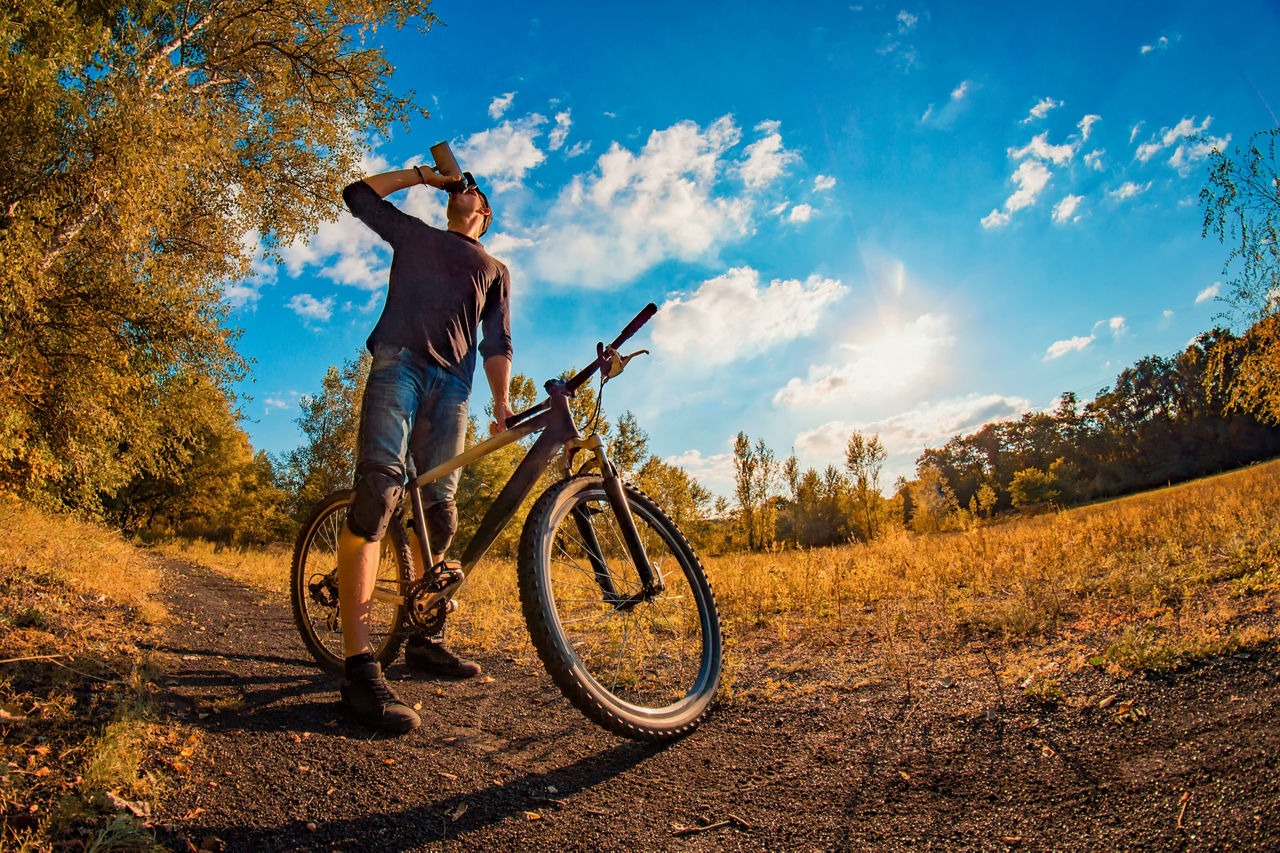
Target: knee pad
[377, 494]
[442, 523]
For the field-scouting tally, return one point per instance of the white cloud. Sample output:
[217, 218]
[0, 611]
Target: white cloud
[1058, 349]
[1133, 131]
[1086, 126]
[960, 91]
[558, 134]
[907, 21]
[1040, 148]
[500, 105]
[1189, 141]
[1117, 326]
[1094, 159]
[1041, 109]
[240, 295]
[1210, 292]
[887, 363]
[715, 472]
[823, 182]
[734, 315]
[766, 157]
[502, 155]
[308, 307]
[909, 433]
[1031, 178]
[1065, 210]
[1128, 190]
[638, 209]
[1161, 43]
[996, 219]
[800, 213]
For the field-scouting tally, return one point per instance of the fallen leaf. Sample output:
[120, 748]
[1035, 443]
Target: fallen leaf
[458, 812]
[448, 775]
[311, 827]
[42, 772]
[1108, 702]
[41, 750]
[450, 740]
[488, 679]
[532, 816]
[905, 775]
[179, 767]
[417, 706]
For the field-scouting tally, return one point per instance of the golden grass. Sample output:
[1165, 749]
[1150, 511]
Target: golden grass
[267, 569]
[89, 556]
[1187, 571]
[76, 688]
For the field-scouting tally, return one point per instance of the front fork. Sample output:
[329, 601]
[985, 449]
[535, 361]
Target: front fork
[650, 582]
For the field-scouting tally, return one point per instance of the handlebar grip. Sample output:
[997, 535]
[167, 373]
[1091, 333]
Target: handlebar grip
[518, 417]
[634, 326]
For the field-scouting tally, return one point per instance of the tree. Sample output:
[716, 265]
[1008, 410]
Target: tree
[864, 457]
[1242, 208]
[140, 144]
[933, 500]
[745, 465]
[630, 445]
[682, 498]
[1032, 486]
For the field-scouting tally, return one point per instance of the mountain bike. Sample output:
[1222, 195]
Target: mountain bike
[615, 599]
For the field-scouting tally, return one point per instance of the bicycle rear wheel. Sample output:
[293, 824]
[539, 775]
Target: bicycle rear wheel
[646, 670]
[314, 586]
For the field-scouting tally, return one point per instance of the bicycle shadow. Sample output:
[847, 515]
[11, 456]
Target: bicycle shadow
[452, 818]
[278, 694]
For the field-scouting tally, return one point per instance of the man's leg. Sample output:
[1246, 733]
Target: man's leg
[386, 414]
[439, 434]
[357, 571]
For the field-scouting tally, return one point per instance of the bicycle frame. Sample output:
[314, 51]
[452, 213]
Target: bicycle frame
[555, 421]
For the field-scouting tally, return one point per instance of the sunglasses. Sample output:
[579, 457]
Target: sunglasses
[468, 184]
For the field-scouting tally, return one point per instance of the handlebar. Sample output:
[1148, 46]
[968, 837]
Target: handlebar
[600, 360]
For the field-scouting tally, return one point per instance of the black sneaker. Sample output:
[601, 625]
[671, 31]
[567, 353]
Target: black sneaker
[432, 658]
[368, 698]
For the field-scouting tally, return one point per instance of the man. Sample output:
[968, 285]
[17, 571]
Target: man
[442, 286]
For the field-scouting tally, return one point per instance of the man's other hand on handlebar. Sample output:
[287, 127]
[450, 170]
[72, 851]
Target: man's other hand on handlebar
[501, 411]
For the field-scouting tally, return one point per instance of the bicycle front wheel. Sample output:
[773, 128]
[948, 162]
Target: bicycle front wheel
[644, 669]
[314, 586]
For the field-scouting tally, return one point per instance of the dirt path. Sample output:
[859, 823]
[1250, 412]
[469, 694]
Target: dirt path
[824, 764]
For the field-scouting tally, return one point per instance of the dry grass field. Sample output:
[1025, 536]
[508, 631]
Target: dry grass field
[77, 689]
[1147, 582]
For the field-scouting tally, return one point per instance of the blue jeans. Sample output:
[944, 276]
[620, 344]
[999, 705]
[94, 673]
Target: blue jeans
[410, 407]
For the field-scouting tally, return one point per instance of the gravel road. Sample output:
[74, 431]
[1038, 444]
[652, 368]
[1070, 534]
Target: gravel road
[823, 762]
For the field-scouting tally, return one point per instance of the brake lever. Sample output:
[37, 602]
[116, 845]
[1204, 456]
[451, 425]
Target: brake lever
[618, 363]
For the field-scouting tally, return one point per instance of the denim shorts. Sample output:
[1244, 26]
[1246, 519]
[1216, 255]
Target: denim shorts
[413, 407]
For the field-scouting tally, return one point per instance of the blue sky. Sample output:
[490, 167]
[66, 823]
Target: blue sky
[907, 219]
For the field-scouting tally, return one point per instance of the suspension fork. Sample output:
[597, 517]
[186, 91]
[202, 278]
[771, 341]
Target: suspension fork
[650, 584]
